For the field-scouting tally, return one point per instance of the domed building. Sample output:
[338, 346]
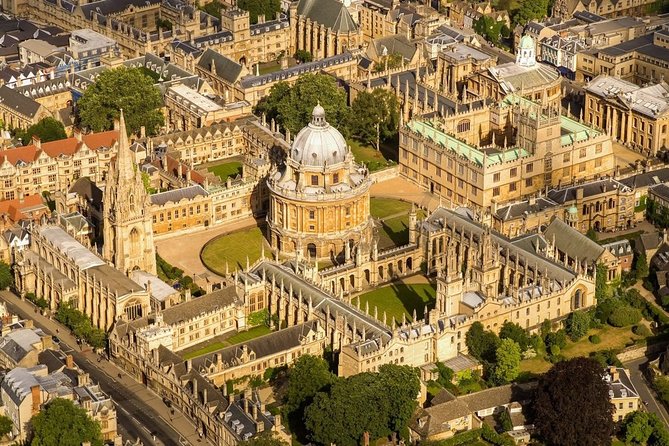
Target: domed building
[526, 77]
[319, 197]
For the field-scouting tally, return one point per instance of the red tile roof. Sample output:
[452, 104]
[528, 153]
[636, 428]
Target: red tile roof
[14, 208]
[54, 149]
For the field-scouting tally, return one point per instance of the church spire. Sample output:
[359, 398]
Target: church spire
[125, 163]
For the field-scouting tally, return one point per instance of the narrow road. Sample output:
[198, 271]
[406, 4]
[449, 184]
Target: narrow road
[137, 408]
[645, 392]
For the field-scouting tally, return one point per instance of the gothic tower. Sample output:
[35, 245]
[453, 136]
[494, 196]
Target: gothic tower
[128, 234]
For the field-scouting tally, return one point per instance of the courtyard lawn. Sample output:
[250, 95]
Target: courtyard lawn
[385, 207]
[238, 338]
[613, 338]
[225, 170]
[398, 299]
[368, 155]
[233, 248]
[395, 231]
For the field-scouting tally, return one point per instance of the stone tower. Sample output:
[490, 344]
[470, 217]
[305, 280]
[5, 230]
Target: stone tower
[128, 234]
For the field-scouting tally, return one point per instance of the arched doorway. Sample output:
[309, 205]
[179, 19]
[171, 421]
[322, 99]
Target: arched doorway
[577, 300]
[311, 250]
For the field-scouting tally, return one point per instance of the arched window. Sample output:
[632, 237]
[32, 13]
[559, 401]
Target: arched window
[464, 126]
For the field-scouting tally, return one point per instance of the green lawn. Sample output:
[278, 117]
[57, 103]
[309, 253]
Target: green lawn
[395, 231]
[368, 156]
[223, 171]
[269, 67]
[613, 338]
[398, 299]
[385, 207]
[233, 248]
[242, 336]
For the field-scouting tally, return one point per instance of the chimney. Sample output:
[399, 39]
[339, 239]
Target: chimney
[142, 132]
[83, 379]
[77, 134]
[69, 362]
[261, 19]
[36, 142]
[204, 396]
[28, 323]
[613, 371]
[189, 365]
[579, 194]
[254, 411]
[277, 422]
[37, 398]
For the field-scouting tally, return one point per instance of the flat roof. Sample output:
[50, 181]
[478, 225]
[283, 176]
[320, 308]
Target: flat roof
[195, 98]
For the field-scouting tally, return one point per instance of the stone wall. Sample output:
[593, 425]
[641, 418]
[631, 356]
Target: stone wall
[636, 352]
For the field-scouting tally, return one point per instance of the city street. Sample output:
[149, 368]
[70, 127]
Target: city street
[141, 413]
[645, 392]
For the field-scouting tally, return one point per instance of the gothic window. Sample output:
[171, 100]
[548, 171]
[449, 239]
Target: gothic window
[464, 125]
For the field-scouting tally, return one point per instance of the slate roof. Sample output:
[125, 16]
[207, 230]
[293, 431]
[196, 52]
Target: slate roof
[394, 44]
[106, 7]
[18, 102]
[331, 13]
[572, 242]
[84, 187]
[115, 280]
[591, 188]
[661, 190]
[176, 195]
[194, 307]
[226, 68]
[646, 179]
[526, 207]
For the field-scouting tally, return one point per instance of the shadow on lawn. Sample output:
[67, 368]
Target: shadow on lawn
[413, 299]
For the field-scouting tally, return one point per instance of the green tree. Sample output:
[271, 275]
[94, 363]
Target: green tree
[122, 88]
[507, 362]
[600, 281]
[47, 129]
[577, 325]
[591, 234]
[513, 331]
[62, 423]
[482, 344]
[637, 427]
[306, 378]
[569, 388]
[266, 438]
[489, 28]
[389, 62]
[624, 316]
[303, 56]
[445, 374]
[402, 386]
[641, 266]
[6, 276]
[375, 116]
[530, 10]
[268, 8]
[6, 425]
[291, 107]
[213, 8]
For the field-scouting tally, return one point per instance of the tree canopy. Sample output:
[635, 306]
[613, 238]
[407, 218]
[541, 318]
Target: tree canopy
[291, 106]
[268, 8]
[578, 324]
[481, 343]
[377, 403]
[569, 388]
[6, 276]
[266, 438]
[507, 362]
[375, 116]
[62, 423]
[514, 331]
[47, 129]
[306, 378]
[6, 425]
[122, 88]
[530, 10]
[489, 28]
[641, 266]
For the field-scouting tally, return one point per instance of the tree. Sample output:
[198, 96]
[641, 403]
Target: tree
[213, 8]
[62, 423]
[530, 10]
[481, 343]
[376, 403]
[624, 315]
[6, 276]
[591, 234]
[266, 438]
[578, 324]
[600, 281]
[489, 28]
[507, 362]
[268, 8]
[375, 116]
[6, 425]
[306, 378]
[291, 107]
[637, 427]
[47, 129]
[641, 266]
[122, 88]
[569, 388]
[303, 56]
[513, 331]
[389, 62]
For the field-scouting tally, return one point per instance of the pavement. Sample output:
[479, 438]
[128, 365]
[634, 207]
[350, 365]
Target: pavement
[402, 189]
[645, 392]
[140, 412]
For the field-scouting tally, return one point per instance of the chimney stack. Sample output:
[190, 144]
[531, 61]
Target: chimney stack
[36, 392]
[69, 362]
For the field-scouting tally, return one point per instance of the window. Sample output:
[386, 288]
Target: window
[528, 182]
[512, 187]
[312, 215]
[529, 168]
[314, 180]
[513, 172]
[582, 153]
[495, 177]
[495, 191]
[335, 178]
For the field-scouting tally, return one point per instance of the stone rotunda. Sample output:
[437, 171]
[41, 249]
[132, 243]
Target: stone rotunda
[319, 198]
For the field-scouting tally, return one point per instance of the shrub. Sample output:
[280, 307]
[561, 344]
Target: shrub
[606, 358]
[595, 339]
[555, 350]
[641, 330]
[624, 316]
[578, 324]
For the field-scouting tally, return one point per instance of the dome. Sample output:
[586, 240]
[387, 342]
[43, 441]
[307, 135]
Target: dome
[526, 43]
[319, 144]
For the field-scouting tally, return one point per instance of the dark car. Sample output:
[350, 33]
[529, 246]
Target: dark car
[56, 339]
